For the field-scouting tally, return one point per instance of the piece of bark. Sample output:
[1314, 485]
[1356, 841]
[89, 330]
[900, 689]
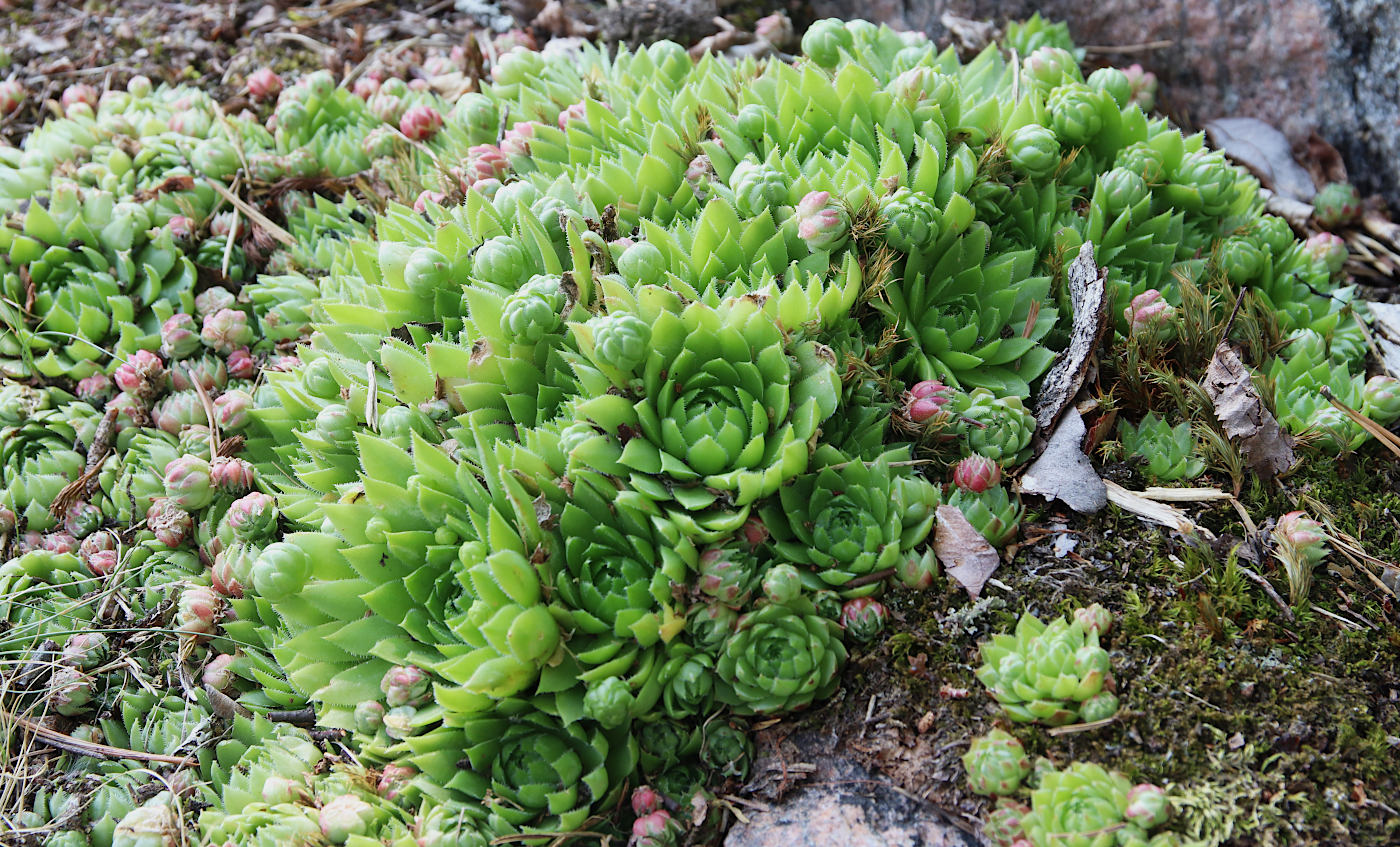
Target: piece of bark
[1090, 299]
[965, 554]
[1063, 472]
[1266, 447]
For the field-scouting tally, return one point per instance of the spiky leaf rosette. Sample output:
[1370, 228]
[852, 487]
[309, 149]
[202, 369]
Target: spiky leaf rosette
[967, 317]
[1046, 672]
[533, 773]
[724, 411]
[848, 518]
[780, 658]
[39, 429]
[1169, 451]
[1086, 805]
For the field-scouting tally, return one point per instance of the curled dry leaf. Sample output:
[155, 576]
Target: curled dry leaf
[1241, 412]
[1089, 297]
[1265, 152]
[965, 554]
[1063, 472]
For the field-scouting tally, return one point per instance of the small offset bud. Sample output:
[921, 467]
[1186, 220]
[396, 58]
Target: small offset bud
[232, 475]
[1328, 249]
[575, 112]
[1143, 85]
[1094, 618]
[231, 409]
[822, 224]
[95, 388]
[252, 516]
[179, 335]
[60, 542]
[926, 399]
[369, 717]
[1147, 806]
[420, 123]
[217, 674]
[393, 779]
[782, 584]
[427, 197]
[226, 330]
[484, 161]
[699, 175]
[102, 562]
[1147, 311]
[76, 94]
[264, 84]
[404, 685]
[1380, 399]
[197, 611]
[241, 364]
[864, 618]
[187, 482]
[976, 473]
[917, 572]
[655, 829]
[645, 800]
[1336, 204]
[11, 96]
[70, 691]
[398, 722]
[142, 375]
[85, 650]
[516, 140]
[345, 816]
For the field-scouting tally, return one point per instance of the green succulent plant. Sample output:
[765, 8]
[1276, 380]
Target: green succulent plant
[1168, 451]
[1051, 673]
[1088, 806]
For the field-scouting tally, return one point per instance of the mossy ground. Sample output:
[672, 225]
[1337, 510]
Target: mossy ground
[1270, 731]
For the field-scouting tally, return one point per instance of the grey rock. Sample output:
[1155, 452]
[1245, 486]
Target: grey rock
[1330, 66]
[845, 805]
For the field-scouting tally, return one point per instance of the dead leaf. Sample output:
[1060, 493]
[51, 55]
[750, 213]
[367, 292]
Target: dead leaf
[1089, 296]
[965, 554]
[972, 36]
[1324, 161]
[1063, 472]
[1266, 447]
[1151, 510]
[1265, 152]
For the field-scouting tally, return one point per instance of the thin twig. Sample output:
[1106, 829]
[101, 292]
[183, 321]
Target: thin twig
[1263, 583]
[87, 748]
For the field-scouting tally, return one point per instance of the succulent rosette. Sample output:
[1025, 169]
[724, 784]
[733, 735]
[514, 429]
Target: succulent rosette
[848, 518]
[1168, 452]
[998, 428]
[996, 763]
[725, 409]
[1336, 204]
[993, 512]
[1045, 672]
[780, 658]
[537, 774]
[1086, 805]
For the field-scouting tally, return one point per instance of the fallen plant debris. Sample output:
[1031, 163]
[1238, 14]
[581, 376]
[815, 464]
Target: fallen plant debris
[447, 444]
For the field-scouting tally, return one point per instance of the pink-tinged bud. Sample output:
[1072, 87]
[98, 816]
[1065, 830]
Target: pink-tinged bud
[95, 387]
[1143, 84]
[78, 93]
[863, 618]
[654, 829]
[420, 123]
[404, 685]
[1297, 528]
[516, 140]
[394, 779]
[215, 300]
[755, 533]
[976, 473]
[187, 482]
[264, 84]
[102, 562]
[428, 197]
[241, 364]
[82, 520]
[130, 411]
[1329, 249]
[419, 84]
[170, 523]
[217, 674]
[282, 364]
[227, 330]
[232, 475]
[29, 540]
[508, 41]
[60, 542]
[11, 96]
[179, 336]
[231, 409]
[223, 579]
[388, 106]
[699, 175]
[486, 161]
[776, 29]
[1147, 311]
[1147, 806]
[93, 543]
[180, 228]
[85, 650]
[70, 691]
[343, 817]
[207, 371]
[366, 87]
[252, 516]
[926, 399]
[645, 800]
[1094, 618]
[142, 375]
[178, 411]
[575, 112]
[486, 187]
[821, 223]
[8, 520]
